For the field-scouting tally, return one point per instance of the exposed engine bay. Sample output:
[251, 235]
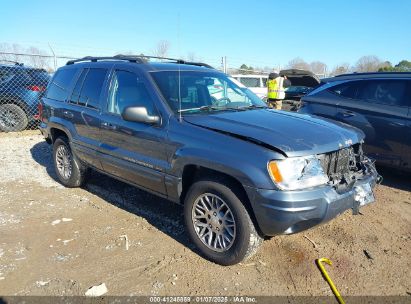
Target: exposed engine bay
[344, 167]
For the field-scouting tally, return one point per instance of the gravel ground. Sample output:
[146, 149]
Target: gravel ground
[58, 241]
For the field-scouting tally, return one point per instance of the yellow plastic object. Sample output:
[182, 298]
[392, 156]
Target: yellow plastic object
[327, 277]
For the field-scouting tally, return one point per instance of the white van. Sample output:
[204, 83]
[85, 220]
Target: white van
[255, 83]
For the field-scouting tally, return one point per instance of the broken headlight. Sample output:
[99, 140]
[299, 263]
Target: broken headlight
[297, 173]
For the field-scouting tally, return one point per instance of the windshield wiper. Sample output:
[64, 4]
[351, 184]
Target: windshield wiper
[256, 107]
[250, 107]
[203, 108]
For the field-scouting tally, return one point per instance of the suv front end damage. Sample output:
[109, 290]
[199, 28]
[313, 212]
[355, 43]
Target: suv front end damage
[351, 179]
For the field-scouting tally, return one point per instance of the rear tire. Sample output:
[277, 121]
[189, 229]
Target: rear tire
[12, 118]
[219, 224]
[69, 170]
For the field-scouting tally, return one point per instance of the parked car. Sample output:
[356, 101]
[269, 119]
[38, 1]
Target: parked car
[241, 170]
[302, 82]
[255, 83]
[20, 91]
[378, 104]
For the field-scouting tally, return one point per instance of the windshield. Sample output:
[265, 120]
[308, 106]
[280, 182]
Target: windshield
[201, 91]
[297, 89]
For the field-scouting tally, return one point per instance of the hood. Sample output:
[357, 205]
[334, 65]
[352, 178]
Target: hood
[301, 77]
[291, 134]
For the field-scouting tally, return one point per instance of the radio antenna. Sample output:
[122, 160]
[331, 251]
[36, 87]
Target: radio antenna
[179, 71]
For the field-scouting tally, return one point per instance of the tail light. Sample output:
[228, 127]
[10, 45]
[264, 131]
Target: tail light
[36, 88]
[39, 115]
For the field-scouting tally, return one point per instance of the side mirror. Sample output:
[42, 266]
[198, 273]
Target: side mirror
[139, 114]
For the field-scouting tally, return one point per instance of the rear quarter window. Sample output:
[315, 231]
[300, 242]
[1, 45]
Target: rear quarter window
[60, 84]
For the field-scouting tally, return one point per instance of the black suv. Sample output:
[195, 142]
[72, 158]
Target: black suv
[193, 135]
[20, 91]
[377, 103]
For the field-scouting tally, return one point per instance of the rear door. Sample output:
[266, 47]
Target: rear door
[132, 151]
[379, 109]
[83, 111]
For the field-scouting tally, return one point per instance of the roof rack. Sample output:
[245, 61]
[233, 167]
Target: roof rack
[372, 73]
[136, 59]
[116, 57]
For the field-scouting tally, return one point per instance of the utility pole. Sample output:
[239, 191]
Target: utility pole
[224, 64]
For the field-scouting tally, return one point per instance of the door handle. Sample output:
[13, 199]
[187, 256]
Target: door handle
[348, 113]
[108, 126]
[397, 124]
[68, 114]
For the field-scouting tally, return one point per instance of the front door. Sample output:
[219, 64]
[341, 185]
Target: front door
[130, 150]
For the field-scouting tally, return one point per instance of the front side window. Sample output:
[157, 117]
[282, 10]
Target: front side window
[59, 85]
[128, 90]
[194, 91]
[346, 89]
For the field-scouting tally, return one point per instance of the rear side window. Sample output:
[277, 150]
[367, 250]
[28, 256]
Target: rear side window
[250, 82]
[91, 88]
[58, 88]
[77, 88]
[385, 91]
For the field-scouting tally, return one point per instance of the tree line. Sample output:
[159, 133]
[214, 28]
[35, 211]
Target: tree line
[368, 63]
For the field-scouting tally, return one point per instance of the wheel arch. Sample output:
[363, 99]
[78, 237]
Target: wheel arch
[193, 173]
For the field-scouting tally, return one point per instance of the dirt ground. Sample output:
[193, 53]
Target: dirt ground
[58, 241]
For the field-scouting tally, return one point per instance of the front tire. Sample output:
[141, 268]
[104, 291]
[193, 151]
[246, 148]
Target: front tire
[218, 223]
[69, 170]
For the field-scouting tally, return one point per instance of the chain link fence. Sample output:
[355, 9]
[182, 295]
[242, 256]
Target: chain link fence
[23, 80]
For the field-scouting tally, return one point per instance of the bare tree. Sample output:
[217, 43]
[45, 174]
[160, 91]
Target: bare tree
[13, 51]
[318, 67]
[342, 68]
[191, 56]
[41, 61]
[35, 57]
[368, 63]
[298, 63]
[162, 48]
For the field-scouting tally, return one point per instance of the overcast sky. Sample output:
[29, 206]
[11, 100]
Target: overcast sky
[258, 33]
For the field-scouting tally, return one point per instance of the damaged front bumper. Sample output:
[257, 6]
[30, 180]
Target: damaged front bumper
[287, 212]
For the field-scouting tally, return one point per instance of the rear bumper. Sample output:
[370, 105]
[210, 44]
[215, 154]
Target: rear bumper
[287, 212]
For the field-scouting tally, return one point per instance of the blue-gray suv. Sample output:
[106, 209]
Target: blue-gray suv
[195, 136]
